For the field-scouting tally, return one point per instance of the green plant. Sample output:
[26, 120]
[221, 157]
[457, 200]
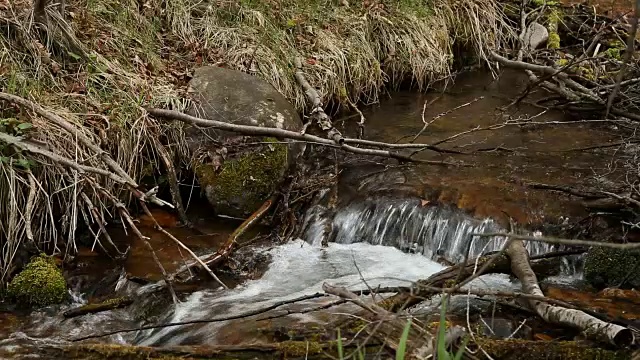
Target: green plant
[443, 353]
[402, 345]
[8, 154]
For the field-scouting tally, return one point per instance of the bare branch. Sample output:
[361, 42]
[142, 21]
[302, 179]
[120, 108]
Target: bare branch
[559, 241]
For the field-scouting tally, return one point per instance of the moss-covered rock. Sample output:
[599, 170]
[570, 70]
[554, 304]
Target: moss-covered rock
[40, 283]
[237, 176]
[241, 184]
[606, 267]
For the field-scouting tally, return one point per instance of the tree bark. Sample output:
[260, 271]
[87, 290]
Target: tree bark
[593, 328]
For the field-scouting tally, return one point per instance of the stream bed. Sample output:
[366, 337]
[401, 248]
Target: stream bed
[392, 226]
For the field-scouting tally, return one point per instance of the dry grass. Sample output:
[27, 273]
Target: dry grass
[103, 60]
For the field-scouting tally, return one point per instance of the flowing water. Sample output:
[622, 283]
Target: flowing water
[432, 231]
[391, 226]
[370, 239]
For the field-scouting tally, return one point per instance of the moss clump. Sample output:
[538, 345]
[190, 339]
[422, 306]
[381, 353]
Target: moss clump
[605, 267]
[242, 184]
[538, 3]
[554, 18]
[615, 50]
[299, 348]
[525, 350]
[554, 41]
[40, 284]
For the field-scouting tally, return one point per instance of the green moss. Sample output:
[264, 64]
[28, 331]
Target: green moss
[554, 41]
[605, 267]
[299, 348]
[538, 3]
[40, 284]
[251, 177]
[525, 350]
[612, 53]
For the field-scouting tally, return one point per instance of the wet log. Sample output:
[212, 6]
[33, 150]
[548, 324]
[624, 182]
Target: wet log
[423, 289]
[111, 304]
[592, 327]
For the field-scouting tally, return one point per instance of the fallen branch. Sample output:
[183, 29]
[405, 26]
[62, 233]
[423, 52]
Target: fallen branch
[35, 149]
[206, 321]
[390, 326]
[592, 327]
[184, 273]
[283, 134]
[183, 246]
[426, 124]
[172, 178]
[111, 304]
[423, 289]
[117, 170]
[559, 241]
[317, 112]
[628, 54]
[579, 92]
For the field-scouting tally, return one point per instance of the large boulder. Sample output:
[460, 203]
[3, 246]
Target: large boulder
[238, 173]
[608, 267]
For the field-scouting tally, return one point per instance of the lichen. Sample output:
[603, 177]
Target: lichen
[251, 177]
[606, 267]
[40, 283]
[525, 350]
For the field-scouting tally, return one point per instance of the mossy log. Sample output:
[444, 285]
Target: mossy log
[518, 349]
[279, 350]
[110, 304]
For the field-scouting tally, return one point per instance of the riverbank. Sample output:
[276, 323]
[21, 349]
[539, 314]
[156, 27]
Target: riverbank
[97, 64]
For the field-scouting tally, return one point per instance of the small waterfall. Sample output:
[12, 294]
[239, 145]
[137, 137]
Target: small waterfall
[434, 231]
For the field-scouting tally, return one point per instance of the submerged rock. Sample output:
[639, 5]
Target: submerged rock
[238, 173]
[607, 267]
[40, 283]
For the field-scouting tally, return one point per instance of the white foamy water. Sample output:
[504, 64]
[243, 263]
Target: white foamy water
[297, 269]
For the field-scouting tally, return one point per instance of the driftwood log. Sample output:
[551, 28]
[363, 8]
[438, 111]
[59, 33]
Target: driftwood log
[593, 327]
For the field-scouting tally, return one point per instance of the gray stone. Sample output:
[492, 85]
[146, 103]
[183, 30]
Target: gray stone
[235, 173]
[535, 36]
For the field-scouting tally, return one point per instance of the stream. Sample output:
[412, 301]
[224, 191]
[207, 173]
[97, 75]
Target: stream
[393, 225]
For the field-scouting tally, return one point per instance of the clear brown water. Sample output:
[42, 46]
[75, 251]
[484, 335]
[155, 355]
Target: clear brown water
[490, 182]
